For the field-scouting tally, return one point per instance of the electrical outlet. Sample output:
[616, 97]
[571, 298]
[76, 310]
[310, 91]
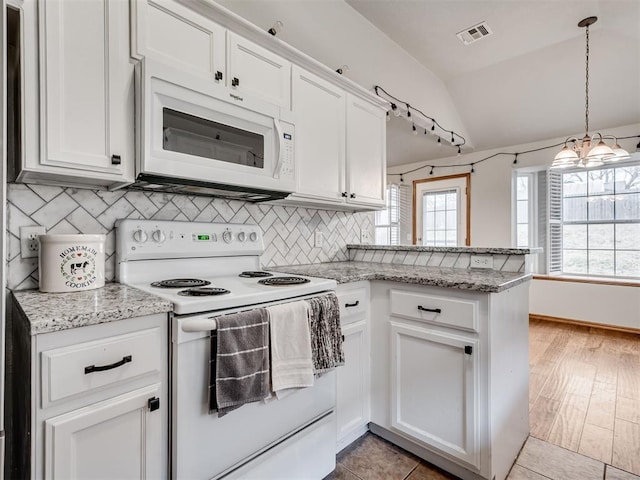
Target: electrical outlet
[318, 239]
[481, 261]
[29, 246]
[365, 237]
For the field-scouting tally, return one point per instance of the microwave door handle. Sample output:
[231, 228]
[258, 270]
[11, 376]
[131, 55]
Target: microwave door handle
[276, 124]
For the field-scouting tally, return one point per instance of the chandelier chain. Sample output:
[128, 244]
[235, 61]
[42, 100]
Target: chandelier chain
[586, 88]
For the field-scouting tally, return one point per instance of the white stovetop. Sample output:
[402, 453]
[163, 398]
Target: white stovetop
[243, 292]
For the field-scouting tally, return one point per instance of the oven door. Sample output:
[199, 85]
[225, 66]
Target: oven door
[195, 130]
[205, 446]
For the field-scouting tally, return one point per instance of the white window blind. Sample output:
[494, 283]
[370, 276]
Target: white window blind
[387, 221]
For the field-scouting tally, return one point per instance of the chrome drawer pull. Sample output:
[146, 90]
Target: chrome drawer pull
[102, 368]
[434, 310]
[354, 304]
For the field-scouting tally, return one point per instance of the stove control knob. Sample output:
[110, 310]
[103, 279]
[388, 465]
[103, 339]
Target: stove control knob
[253, 236]
[242, 237]
[140, 236]
[227, 236]
[158, 236]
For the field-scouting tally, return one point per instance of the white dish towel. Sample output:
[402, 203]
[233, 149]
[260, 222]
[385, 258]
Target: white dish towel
[291, 359]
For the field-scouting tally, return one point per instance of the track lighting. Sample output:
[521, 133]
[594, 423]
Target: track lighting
[343, 69]
[276, 28]
[459, 150]
[388, 117]
[416, 117]
[415, 131]
[401, 179]
[515, 160]
[431, 172]
[472, 169]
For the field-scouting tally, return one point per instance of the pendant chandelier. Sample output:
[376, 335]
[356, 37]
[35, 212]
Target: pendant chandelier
[590, 150]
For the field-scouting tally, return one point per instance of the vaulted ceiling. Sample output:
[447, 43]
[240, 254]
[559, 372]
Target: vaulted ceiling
[525, 82]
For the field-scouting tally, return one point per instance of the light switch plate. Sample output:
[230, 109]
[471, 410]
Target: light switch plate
[318, 240]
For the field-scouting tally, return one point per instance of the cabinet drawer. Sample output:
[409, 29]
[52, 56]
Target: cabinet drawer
[353, 302]
[452, 312]
[88, 366]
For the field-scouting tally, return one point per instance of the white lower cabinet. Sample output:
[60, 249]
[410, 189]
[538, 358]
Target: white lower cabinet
[353, 390]
[118, 438]
[434, 388]
[90, 402]
[450, 375]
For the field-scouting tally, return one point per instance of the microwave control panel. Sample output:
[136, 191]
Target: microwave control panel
[287, 152]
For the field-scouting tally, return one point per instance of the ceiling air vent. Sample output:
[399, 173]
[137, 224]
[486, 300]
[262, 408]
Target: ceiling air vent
[475, 33]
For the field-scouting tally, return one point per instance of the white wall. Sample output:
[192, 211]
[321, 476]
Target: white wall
[491, 226]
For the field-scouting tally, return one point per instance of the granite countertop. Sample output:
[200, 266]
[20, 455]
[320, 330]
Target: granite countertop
[50, 312]
[475, 250]
[346, 272]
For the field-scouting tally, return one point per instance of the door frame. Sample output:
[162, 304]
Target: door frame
[467, 176]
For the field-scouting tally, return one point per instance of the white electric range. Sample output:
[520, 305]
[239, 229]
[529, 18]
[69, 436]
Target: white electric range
[207, 270]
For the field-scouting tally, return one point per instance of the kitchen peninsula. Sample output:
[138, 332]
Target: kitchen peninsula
[438, 363]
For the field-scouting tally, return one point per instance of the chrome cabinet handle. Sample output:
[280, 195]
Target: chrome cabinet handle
[102, 368]
[433, 310]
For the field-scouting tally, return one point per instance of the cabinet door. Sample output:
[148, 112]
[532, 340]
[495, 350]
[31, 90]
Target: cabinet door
[366, 152]
[319, 112]
[434, 389]
[171, 33]
[115, 439]
[352, 403]
[257, 72]
[86, 89]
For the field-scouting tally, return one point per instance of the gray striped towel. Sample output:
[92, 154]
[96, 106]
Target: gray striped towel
[326, 336]
[239, 361]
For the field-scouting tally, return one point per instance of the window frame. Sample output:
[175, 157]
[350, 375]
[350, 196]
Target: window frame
[392, 192]
[557, 252]
[532, 208]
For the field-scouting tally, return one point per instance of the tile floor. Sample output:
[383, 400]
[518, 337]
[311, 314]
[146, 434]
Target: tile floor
[373, 458]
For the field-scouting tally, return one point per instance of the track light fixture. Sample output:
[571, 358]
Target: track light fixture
[343, 69]
[417, 118]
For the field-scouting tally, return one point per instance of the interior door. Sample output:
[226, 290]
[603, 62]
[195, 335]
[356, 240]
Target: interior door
[441, 211]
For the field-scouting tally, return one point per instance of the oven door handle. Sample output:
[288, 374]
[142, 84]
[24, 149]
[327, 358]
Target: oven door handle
[199, 325]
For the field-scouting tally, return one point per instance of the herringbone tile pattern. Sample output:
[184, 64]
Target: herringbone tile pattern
[288, 231]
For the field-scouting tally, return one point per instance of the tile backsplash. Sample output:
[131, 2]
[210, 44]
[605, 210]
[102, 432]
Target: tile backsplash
[288, 231]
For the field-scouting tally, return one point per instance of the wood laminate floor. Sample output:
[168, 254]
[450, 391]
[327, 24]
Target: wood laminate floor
[584, 393]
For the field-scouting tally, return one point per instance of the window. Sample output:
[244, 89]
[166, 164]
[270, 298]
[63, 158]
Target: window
[388, 220]
[524, 204]
[597, 221]
[440, 218]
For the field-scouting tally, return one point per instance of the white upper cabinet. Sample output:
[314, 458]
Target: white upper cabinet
[172, 33]
[257, 72]
[318, 109]
[366, 152]
[86, 94]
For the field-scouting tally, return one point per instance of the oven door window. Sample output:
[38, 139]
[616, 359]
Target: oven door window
[191, 135]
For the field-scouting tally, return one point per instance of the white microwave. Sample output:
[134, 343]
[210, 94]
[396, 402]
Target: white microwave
[196, 137]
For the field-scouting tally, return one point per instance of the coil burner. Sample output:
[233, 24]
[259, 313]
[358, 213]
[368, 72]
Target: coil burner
[181, 283]
[283, 281]
[256, 274]
[203, 292]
